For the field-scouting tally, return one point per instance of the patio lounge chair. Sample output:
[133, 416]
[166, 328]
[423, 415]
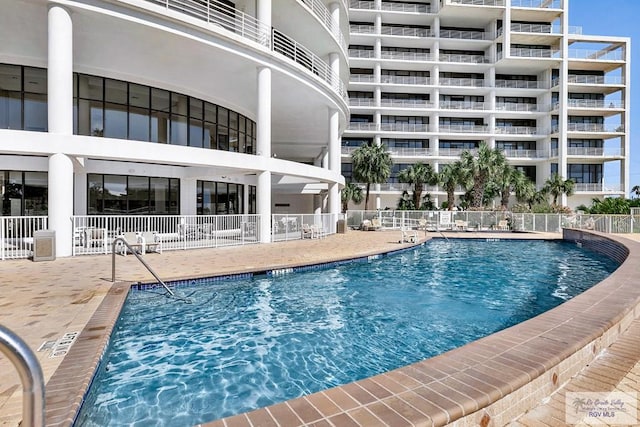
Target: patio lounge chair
[134, 242]
[502, 225]
[408, 235]
[461, 225]
[150, 242]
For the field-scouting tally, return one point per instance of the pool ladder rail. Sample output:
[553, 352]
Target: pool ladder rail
[147, 266]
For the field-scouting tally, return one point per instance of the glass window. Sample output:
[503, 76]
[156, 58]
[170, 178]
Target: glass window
[210, 136]
[160, 100]
[35, 112]
[138, 195]
[252, 199]
[10, 110]
[223, 116]
[206, 197]
[35, 80]
[222, 198]
[174, 196]
[139, 124]
[159, 127]
[179, 110]
[233, 140]
[95, 191]
[115, 91]
[223, 138]
[115, 121]
[90, 87]
[10, 78]
[139, 96]
[159, 196]
[35, 193]
[115, 194]
[233, 120]
[11, 188]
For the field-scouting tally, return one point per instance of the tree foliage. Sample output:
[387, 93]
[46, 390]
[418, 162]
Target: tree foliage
[351, 193]
[418, 174]
[371, 165]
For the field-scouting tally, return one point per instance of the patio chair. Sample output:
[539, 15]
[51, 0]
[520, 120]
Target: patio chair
[95, 238]
[134, 242]
[502, 225]
[408, 235]
[460, 225]
[149, 242]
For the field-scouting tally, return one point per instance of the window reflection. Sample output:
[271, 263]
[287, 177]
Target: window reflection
[132, 195]
[24, 193]
[220, 198]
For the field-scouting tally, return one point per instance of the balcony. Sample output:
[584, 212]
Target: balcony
[404, 127]
[357, 126]
[537, 4]
[536, 28]
[462, 82]
[594, 104]
[524, 154]
[362, 102]
[362, 29]
[466, 35]
[521, 84]
[455, 152]
[535, 53]
[596, 55]
[390, 7]
[594, 127]
[405, 31]
[513, 106]
[318, 8]
[596, 187]
[362, 78]
[479, 2]
[406, 56]
[362, 53]
[593, 80]
[410, 152]
[463, 105]
[595, 151]
[469, 59]
[517, 130]
[406, 103]
[464, 128]
[404, 80]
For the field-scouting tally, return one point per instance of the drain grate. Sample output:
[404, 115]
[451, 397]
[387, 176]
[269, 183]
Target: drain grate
[62, 346]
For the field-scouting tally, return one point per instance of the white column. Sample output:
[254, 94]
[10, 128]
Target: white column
[188, 196]
[60, 71]
[263, 143]
[263, 12]
[60, 118]
[334, 160]
[60, 201]
[263, 205]
[334, 63]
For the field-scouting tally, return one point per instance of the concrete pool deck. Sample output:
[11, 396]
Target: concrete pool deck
[43, 301]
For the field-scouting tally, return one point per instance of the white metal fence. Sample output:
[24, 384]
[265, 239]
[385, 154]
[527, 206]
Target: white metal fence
[494, 220]
[300, 226]
[16, 235]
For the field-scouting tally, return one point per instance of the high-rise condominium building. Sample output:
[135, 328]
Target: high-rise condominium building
[171, 107]
[432, 78]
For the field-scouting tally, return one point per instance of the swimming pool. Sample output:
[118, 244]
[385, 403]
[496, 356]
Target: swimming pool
[246, 344]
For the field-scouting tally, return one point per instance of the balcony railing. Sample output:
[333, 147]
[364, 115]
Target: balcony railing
[404, 127]
[596, 187]
[455, 152]
[362, 29]
[536, 28]
[513, 106]
[463, 105]
[248, 27]
[470, 59]
[404, 80]
[466, 35]
[362, 102]
[464, 128]
[362, 53]
[318, 8]
[461, 82]
[593, 127]
[357, 126]
[406, 56]
[517, 130]
[293, 50]
[410, 152]
[593, 80]
[535, 53]
[405, 31]
[520, 154]
[391, 6]
[479, 2]
[406, 103]
[537, 4]
[362, 78]
[594, 103]
[595, 151]
[521, 84]
[597, 55]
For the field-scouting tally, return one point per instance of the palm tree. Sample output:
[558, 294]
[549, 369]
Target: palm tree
[636, 190]
[506, 180]
[480, 169]
[371, 165]
[450, 177]
[527, 193]
[417, 175]
[557, 186]
[350, 193]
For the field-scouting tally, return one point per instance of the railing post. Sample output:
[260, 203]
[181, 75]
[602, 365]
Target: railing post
[25, 361]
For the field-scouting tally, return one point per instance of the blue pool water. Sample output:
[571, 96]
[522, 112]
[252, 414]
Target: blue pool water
[245, 344]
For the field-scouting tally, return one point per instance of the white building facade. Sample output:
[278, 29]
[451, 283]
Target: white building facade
[432, 78]
[176, 107]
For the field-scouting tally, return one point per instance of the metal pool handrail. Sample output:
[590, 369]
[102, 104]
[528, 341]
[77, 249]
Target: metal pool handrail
[147, 266]
[25, 361]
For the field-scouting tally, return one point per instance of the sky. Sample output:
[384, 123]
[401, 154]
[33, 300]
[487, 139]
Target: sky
[616, 18]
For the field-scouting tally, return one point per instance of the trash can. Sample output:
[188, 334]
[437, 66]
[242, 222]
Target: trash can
[44, 245]
[341, 226]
